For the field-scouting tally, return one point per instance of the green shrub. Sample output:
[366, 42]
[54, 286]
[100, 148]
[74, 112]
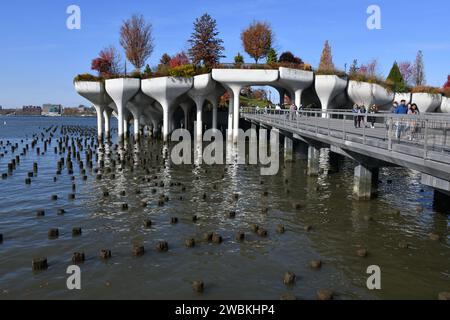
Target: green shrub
[238, 60]
[184, 71]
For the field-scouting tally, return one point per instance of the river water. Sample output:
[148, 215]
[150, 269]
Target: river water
[252, 269]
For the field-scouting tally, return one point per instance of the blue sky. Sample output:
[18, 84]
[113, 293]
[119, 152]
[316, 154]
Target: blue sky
[39, 56]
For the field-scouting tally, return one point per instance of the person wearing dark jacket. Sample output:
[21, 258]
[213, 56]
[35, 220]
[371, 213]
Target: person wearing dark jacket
[372, 110]
[402, 108]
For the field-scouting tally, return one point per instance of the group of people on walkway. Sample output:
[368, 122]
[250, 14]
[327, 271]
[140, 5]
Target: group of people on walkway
[411, 126]
[403, 108]
[361, 113]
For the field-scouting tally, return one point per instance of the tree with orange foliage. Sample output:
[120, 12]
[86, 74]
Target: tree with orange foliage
[136, 39]
[257, 40]
[326, 60]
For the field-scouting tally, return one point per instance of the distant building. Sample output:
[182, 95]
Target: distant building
[52, 110]
[31, 110]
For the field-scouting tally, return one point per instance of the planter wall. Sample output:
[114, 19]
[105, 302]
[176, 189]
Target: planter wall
[445, 105]
[296, 81]
[329, 87]
[403, 96]
[427, 102]
[94, 92]
[368, 94]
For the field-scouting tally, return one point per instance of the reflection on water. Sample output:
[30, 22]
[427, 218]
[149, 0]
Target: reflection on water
[252, 269]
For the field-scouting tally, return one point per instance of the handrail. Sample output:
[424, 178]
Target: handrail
[426, 134]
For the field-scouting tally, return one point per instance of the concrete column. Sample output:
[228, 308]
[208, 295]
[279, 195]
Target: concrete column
[199, 128]
[282, 93]
[120, 121]
[298, 97]
[99, 110]
[125, 128]
[214, 115]
[366, 181]
[166, 124]
[288, 149]
[441, 201]
[136, 127]
[313, 160]
[107, 118]
[155, 129]
[230, 118]
[301, 149]
[333, 159]
[262, 136]
[236, 102]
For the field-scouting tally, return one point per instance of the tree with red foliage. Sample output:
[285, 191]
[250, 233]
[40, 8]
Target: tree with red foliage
[107, 63]
[180, 59]
[447, 84]
[288, 57]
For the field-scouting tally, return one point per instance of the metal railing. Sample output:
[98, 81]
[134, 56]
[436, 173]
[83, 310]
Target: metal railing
[426, 136]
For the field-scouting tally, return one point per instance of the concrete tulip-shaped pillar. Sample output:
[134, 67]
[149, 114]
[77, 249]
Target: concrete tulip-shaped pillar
[236, 93]
[230, 117]
[186, 106]
[214, 98]
[296, 81]
[282, 93]
[328, 87]
[107, 118]
[137, 113]
[137, 105]
[165, 91]
[122, 91]
[234, 79]
[95, 92]
[154, 116]
[203, 86]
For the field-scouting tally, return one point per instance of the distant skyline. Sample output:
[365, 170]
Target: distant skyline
[40, 56]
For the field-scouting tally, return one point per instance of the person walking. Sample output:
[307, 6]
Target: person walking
[355, 112]
[414, 124]
[293, 110]
[373, 110]
[402, 109]
[362, 118]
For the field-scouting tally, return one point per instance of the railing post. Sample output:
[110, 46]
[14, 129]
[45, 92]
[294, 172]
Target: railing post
[329, 130]
[343, 127]
[390, 133]
[425, 143]
[364, 133]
